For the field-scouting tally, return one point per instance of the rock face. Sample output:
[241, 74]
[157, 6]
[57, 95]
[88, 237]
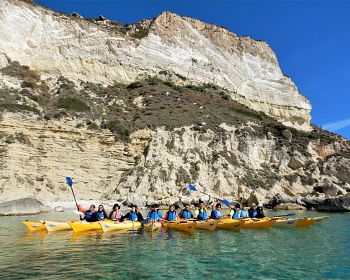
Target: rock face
[24, 206]
[169, 46]
[143, 139]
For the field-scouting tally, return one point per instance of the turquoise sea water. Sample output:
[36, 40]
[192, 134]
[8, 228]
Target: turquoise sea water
[319, 252]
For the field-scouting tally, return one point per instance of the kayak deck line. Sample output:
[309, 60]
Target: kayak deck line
[182, 225]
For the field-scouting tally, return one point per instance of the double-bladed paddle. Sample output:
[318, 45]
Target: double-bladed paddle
[69, 182]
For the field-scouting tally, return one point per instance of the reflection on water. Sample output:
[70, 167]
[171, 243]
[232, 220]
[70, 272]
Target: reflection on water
[319, 252]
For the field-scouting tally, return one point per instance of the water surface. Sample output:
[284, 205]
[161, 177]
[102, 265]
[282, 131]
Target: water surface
[319, 252]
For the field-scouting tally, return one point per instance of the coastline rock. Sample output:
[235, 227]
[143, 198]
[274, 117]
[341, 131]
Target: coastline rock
[59, 209]
[340, 203]
[330, 190]
[279, 199]
[289, 206]
[23, 206]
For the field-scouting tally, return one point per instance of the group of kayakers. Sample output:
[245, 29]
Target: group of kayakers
[200, 213]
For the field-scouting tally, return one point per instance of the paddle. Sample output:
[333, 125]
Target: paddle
[69, 182]
[193, 188]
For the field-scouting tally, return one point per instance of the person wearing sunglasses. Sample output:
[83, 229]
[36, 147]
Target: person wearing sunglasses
[101, 213]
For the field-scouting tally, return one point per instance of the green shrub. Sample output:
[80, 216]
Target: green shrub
[134, 85]
[14, 107]
[118, 128]
[93, 126]
[141, 33]
[72, 104]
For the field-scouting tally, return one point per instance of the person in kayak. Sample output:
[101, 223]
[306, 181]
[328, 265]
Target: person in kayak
[252, 211]
[134, 215]
[201, 213]
[90, 214]
[236, 213]
[244, 211]
[116, 214]
[171, 215]
[260, 212]
[186, 213]
[101, 213]
[216, 213]
[154, 214]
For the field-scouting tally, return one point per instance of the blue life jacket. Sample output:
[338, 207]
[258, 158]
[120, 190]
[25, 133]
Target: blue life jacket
[254, 213]
[133, 216]
[100, 216]
[237, 214]
[154, 215]
[171, 216]
[216, 214]
[203, 215]
[244, 214]
[186, 214]
[89, 215]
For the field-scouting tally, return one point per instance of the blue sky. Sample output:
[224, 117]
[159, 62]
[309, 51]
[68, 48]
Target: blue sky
[311, 39]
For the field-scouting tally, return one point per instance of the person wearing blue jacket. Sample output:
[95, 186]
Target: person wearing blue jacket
[154, 214]
[186, 213]
[134, 215]
[216, 213]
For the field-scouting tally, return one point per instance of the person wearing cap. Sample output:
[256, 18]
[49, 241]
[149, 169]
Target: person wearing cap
[186, 213]
[154, 214]
[116, 214]
[236, 212]
[216, 213]
[252, 211]
[171, 215]
[90, 214]
[201, 212]
[259, 212]
[134, 215]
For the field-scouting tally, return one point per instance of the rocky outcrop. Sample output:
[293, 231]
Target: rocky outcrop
[340, 203]
[180, 49]
[23, 206]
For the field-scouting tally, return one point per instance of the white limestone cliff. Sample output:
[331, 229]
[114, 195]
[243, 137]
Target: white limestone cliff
[55, 44]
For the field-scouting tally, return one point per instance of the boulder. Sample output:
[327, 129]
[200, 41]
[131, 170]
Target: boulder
[330, 190]
[279, 199]
[59, 209]
[23, 206]
[340, 203]
[287, 134]
[297, 161]
[289, 206]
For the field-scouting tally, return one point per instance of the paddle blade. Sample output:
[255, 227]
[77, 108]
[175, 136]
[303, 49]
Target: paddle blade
[191, 187]
[69, 181]
[226, 202]
[288, 215]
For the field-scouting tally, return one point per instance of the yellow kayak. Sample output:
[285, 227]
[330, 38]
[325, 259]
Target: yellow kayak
[35, 226]
[57, 226]
[305, 222]
[126, 225]
[256, 223]
[228, 223]
[152, 226]
[79, 226]
[209, 224]
[188, 226]
[286, 223]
